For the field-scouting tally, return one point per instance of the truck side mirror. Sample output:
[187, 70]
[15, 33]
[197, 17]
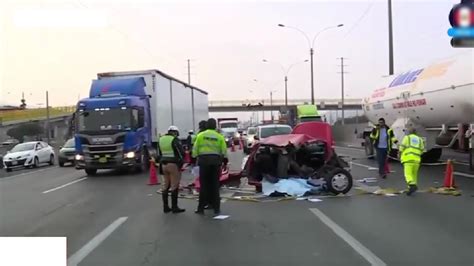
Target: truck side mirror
[256, 137]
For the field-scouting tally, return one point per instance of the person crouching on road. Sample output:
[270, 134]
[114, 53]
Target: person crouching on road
[210, 150]
[171, 158]
[411, 150]
[383, 138]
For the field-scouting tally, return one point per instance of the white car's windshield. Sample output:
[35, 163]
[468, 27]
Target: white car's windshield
[23, 147]
[69, 144]
[251, 131]
[272, 131]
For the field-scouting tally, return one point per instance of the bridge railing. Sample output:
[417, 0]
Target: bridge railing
[34, 113]
[280, 102]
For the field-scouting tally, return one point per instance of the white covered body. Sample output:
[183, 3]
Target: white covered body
[171, 101]
[426, 98]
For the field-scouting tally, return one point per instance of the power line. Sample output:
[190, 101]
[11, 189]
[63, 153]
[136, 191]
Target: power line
[369, 7]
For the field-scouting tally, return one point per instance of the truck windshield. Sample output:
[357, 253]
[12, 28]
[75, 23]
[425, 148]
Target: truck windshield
[106, 119]
[229, 125]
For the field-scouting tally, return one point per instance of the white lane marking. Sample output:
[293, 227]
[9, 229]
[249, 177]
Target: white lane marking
[356, 245]
[464, 174]
[349, 148]
[362, 165]
[77, 257]
[65, 185]
[27, 173]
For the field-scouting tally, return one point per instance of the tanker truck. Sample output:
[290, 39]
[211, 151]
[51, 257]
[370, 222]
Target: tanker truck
[438, 100]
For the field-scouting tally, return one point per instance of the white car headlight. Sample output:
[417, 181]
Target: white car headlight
[129, 155]
[79, 157]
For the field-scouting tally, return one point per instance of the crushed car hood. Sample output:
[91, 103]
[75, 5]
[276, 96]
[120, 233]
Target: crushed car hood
[284, 140]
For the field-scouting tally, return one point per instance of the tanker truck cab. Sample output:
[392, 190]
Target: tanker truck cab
[113, 126]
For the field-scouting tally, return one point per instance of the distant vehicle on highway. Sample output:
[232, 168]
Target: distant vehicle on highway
[229, 126]
[28, 154]
[67, 153]
[249, 138]
[10, 142]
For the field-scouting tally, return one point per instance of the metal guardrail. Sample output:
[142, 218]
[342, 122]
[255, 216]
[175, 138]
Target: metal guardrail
[33, 114]
[279, 102]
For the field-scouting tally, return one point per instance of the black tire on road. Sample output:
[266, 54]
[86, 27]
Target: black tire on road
[338, 181]
[61, 164]
[90, 171]
[51, 160]
[8, 170]
[369, 148]
[144, 163]
[471, 159]
[432, 156]
[36, 163]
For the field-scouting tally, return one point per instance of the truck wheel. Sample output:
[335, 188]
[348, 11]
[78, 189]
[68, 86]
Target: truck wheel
[143, 164]
[369, 148]
[338, 181]
[90, 171]
[51, 160]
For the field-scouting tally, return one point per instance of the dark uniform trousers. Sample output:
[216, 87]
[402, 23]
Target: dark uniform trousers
[209, 171]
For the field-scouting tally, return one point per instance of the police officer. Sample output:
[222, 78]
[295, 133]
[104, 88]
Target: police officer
[171, 159]
[190, 140]
[210, 150]
[383, 138]
[411, 150]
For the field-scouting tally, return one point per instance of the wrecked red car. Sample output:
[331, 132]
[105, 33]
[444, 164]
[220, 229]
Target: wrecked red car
[307, 152]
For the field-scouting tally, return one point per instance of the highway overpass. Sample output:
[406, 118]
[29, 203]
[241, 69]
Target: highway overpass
[279, 105]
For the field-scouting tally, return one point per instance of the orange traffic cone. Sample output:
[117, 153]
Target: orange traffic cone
[232, 147]
[387, 167]
[153, 180]
[448, 176]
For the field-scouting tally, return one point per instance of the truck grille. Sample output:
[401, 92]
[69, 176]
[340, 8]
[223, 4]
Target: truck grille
[113, 152]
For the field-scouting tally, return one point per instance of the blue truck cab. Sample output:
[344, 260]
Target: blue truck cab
[113, 126]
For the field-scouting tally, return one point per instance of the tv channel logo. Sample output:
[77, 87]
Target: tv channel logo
[461, 19]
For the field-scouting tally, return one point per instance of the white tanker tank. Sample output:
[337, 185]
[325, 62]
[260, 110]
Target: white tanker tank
[438, 100]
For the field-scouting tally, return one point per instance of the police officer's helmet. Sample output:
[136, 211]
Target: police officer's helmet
[173, 129]
[190, 132]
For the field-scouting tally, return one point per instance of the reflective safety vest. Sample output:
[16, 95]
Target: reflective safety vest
[411, 149]
[209, 142]
[193, 139]
[390, 137]
[166, 146]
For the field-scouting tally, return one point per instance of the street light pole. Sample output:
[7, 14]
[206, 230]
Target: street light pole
[311, 51]
[286, 92]
[271, 105]
[47, 118]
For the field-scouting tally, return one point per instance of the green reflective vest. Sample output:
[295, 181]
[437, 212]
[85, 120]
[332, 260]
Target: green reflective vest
[411, 149]
[390, 137]
[209, 142]
[166, 146]
[193, 139]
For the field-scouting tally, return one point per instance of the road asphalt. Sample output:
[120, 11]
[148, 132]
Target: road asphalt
[116, 219]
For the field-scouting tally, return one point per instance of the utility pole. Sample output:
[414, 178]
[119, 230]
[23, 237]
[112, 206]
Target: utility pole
[311, 52]
[390, 39]
[271, 105]
[342, 89]
[286, 93]
[47, 118]
[189, 71]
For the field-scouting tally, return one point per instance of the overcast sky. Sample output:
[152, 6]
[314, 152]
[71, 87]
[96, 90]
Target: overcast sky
[60, 45]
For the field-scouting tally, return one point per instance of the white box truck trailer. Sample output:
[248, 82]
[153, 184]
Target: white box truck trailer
[173, 102]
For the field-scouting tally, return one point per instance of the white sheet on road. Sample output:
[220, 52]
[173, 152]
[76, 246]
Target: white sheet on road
[292, 186]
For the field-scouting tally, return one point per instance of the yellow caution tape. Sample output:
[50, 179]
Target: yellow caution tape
[445, 191]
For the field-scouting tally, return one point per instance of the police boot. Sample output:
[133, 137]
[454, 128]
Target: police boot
[174, 202]
[166, 207]
[412, 189]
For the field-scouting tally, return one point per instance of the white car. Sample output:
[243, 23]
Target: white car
[265, 131]
[28, 154]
